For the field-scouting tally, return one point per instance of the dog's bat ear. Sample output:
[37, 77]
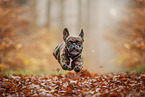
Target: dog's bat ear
[82, 34]
[65, 33]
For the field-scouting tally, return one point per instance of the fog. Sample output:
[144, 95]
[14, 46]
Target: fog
[98, 18]
[45, 21]
[105, 21]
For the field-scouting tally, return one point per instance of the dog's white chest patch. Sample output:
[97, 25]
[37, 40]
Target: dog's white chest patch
[69, 66]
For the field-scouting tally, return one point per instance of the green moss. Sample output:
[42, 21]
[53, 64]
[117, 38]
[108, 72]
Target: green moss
[23, 72]
[139, 69]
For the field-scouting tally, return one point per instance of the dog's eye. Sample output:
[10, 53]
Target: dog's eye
[79, 43]
[69, 43]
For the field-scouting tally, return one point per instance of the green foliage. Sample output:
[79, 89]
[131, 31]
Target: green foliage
[131, 33]
[139, 69]
[24, 72]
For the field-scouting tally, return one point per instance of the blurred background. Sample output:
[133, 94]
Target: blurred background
[31, 29]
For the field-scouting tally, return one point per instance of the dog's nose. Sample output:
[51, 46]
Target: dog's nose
[74, 45]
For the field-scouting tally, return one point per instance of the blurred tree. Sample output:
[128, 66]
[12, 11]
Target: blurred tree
[56, 13]
[134, 41]
[7, 28]
[21, 2]
[11, 22]
[42, 12]
[71, 15]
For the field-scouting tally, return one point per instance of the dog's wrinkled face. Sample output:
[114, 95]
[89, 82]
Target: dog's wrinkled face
[74, 44]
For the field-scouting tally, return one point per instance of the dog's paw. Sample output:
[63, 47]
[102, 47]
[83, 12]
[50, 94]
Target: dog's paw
[77, 69]
[70, 69]
[64, 67]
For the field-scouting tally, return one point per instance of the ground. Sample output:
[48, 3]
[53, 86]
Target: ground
[74, 84]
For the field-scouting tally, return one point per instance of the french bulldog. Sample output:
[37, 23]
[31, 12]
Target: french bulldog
[69, 53]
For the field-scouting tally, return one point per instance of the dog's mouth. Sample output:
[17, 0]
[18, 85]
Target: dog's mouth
[74, 52]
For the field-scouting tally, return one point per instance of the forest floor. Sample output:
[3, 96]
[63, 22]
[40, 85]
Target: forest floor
[74, 84]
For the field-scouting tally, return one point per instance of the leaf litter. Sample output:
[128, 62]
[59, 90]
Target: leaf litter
[74, 84]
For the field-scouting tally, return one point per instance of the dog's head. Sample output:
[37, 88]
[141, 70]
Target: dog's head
[73, 44]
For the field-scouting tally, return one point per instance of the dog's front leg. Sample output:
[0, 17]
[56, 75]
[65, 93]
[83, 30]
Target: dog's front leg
[78, 64]
[66, 63]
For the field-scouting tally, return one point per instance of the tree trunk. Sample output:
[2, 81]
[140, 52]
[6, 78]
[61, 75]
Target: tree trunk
[42, 12]
[71, 15]
[56, 13]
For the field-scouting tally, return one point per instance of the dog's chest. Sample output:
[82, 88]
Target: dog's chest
[69, 65]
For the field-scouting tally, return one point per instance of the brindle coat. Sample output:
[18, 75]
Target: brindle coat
[69, 52]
